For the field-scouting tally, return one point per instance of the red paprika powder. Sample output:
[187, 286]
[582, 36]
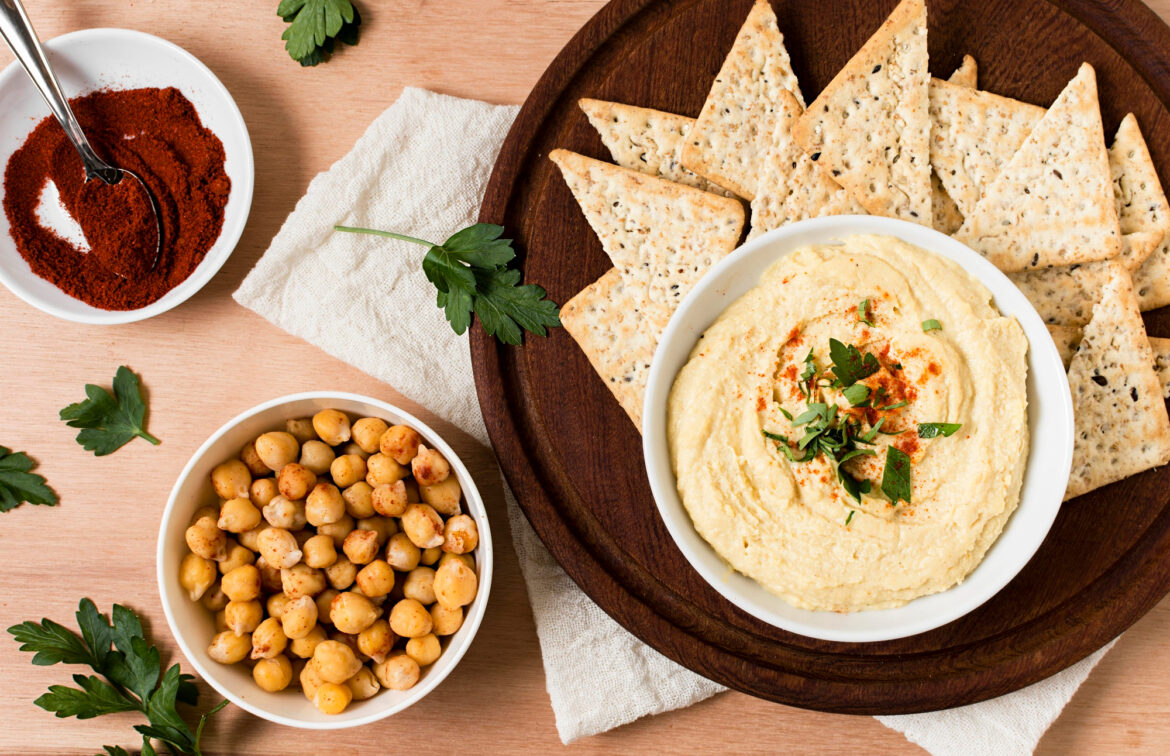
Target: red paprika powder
[157, 134]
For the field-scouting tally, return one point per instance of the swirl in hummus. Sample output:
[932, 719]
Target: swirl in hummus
[750, 383]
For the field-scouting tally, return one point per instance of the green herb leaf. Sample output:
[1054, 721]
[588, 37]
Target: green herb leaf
[786, 413]
[51, 643]
[896, 477]
[96, 632]
[856, 394]
[871, 434]
[848, 363]
[849, 519]
[314, 24]
[115, 751]
[895, 405]
[814, 411]
[18, 485]
[933, 430]
[95, 698]
[931, 325]
[854, 487]
[109, 422]
[863, 313]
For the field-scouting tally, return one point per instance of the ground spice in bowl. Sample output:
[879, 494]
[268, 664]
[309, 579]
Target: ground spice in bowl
[157, 134]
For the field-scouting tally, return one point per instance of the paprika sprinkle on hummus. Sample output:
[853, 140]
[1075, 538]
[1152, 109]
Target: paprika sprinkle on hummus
[157, 134]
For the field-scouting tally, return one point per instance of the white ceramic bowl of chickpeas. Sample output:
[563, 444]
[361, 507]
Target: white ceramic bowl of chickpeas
[324, 560]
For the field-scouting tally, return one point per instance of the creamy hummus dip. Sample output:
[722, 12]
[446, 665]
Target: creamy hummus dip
[944, 382]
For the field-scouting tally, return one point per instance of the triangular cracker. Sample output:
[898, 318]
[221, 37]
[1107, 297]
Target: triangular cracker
[1052, 204]
[871, 126]
[792, 186]
[1121, 423]
[731, 132]
[948, 218]
[608, 324]
[1143, 206]
[645, 140]
[662, 236]
[1161, 349]
[966, 75]
[1066, 339]
[973, 135]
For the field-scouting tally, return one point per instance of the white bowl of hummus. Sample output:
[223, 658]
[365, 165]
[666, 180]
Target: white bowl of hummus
[857, 429]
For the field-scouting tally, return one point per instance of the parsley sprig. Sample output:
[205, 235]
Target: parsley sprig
[128, 676]
[18, 484]
[472, 275]
[109, 422]
[314, 25]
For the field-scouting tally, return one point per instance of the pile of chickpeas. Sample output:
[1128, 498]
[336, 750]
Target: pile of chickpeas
[338, 557]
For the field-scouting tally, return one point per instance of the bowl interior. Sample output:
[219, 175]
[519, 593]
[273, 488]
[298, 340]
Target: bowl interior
[193, 626]
[123, 59]
[1049, 417]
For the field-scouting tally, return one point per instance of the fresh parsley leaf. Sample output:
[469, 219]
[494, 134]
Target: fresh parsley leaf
[848, 363]
[854, 487]
[109, 422]
[931, 325]
[94, 698]
[314, 25]
[117, 751]
[896, 476]
[786, 413]
[18, 485]
[856, 453]
[932, 430]
[814, 411]
[856, 394]
[895, 405]
[470, 271]
[871, 434]
[863, 313]
[849, 519]
[51, 643]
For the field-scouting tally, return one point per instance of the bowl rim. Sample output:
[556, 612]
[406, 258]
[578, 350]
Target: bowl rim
[229, 237]
[655, 447]
[472, 619]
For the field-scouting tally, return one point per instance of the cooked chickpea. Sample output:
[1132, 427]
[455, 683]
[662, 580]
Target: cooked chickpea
[299, 618]
[358, 500]
[304, 647]
[410, 619]
[381, 470]
[300, 428]
[335, 661]
[367, 433]
[354, 449]
[467, 559]
[337, 530]
[310, 681]
[238, 515]
[389, 499]
[376, 640]
[360, 546]
[279, 512]
[196, 575]
[349, 640]
[302, 580]
[269, 576]
[237, 556]
[375, 579]
[332, 698]
[231, 479]
[221, 620]
[324, 505]
[401, 553]
[420, 585]
[347, 470]
[444, 497]
[412, 492]
[332, 426]
[398, 672]
[242, 583]
[352, 612]
[268, 639]
[206, 540]
[430, 556]
[295, 481]
[277, 449]
[273, 674]
[400, 443]
[279, 548]
[252, 460]
[212, 512]
[276, 604]
[460, 535]
[243, 617]
[446, 621]
[317, 456]
[214, 598]
[423, 526]
[341, 573]
[383, 526]
[250, 539]
[228, 648]
[263, 491]
[303, 537]
[324, 601]
[363, 685]
[425, 649]
[429, 467]
[455, 584]
[319, 551]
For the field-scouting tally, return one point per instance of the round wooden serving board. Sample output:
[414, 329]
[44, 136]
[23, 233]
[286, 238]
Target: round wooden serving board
[575, 460]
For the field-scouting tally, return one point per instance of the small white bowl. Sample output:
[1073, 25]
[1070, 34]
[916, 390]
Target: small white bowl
[193, 626]
[94, 59]
[1050, 418]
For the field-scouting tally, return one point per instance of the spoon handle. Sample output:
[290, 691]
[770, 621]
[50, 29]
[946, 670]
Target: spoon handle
[17, 31]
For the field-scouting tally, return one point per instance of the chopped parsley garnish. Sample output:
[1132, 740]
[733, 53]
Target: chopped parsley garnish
[849, 519]
[848, 363]
[856, 394]
[933, 430]
[863, 313]
[896, 476]
[931, 325]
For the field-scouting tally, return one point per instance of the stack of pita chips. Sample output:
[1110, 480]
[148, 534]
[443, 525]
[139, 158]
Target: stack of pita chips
[1083, 231]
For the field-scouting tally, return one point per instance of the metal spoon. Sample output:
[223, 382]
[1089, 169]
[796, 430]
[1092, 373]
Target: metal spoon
[17, 31]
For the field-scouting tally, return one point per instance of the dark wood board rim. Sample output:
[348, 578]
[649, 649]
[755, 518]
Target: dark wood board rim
[1068, 632]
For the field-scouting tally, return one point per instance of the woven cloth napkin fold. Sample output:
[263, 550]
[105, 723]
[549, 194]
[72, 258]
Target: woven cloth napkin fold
[421, 169]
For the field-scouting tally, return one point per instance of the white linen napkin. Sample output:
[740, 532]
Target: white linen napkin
[421, 169]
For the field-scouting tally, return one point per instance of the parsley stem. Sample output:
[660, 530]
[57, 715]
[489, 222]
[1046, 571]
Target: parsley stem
[149, 437]
[388, 234]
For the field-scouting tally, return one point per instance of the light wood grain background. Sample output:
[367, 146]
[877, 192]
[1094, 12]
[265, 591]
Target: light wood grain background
[210, 359]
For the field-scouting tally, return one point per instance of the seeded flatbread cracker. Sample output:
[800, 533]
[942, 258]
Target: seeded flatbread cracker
[947, 216]
[645, 140]
[607, 323]
[1121, 423]
[792, 186]
[966, 74]
[731, 133]
[1066, 339]
[871, 126]
[1143, 206]
[1161, 349]
[1052, 204]
[973, 135]
[662, 236]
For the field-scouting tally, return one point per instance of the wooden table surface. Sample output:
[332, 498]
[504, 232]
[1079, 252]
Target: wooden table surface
[210, 359]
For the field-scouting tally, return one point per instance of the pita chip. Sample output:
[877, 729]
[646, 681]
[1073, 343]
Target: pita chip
[966, 74]
[947, 215]
[1161, 349]
[1143, 207]
[731, 132]
[1066, 339]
